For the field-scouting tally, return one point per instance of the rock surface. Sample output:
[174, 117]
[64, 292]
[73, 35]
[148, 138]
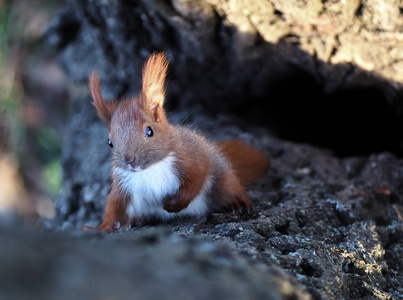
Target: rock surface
[248, 69]
[153, 264]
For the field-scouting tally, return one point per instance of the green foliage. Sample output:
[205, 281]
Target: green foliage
[53, 176]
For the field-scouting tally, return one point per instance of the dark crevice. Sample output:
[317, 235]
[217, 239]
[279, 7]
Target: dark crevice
[222, 34]
[291, 39]
[334, 51]
[349, 267]
[392, 238]
[309, 269]
[358, 12]
[283, 228]
[64, 30]
[259, 40]
[351, 122]
[300, 217]
[75, 198]
[279, 14]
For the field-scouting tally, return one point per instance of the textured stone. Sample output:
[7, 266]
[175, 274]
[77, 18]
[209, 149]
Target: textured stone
[152, 264]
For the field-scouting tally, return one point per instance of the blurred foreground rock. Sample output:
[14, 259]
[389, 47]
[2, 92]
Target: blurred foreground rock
[152, 264]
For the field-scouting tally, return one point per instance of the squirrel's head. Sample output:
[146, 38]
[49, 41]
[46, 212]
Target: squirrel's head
[138, 129]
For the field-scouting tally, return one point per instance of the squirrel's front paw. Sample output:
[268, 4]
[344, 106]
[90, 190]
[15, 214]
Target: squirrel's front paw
[174, 204]
[109, 227]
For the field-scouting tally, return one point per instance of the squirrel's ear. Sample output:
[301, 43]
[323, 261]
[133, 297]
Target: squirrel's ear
[104, 110]
[154, 74]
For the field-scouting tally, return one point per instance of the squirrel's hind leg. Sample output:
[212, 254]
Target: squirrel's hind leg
[231, 195]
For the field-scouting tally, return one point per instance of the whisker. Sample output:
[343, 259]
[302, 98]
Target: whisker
[183, 121]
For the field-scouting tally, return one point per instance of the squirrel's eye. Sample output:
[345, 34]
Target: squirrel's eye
[110, 143]
[149, 132]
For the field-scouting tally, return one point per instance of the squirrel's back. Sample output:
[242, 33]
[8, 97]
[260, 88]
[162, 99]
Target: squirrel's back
[247, 162]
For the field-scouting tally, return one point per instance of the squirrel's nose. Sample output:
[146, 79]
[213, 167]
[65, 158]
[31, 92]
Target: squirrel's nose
[131, 161]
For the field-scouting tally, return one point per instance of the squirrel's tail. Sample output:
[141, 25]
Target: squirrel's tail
[248, 162]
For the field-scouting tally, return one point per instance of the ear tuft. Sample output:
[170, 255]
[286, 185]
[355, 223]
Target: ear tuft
[104, 110]
[155, 111]
[154, 74]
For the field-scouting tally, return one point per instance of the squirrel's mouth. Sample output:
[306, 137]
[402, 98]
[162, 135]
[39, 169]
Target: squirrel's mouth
[133, 165]
[134, 168]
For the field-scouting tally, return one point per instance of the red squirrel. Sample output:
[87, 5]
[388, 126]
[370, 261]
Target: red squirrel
[162, 171]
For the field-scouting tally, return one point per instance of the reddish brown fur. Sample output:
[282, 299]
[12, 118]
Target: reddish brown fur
[115, 209]
[104, 110]
[154, 74]
[196, 158]
[193, 168]
[232, 195]
[248, 163]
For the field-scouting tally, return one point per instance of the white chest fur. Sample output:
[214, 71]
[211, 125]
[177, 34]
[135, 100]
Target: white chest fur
[148, 188]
